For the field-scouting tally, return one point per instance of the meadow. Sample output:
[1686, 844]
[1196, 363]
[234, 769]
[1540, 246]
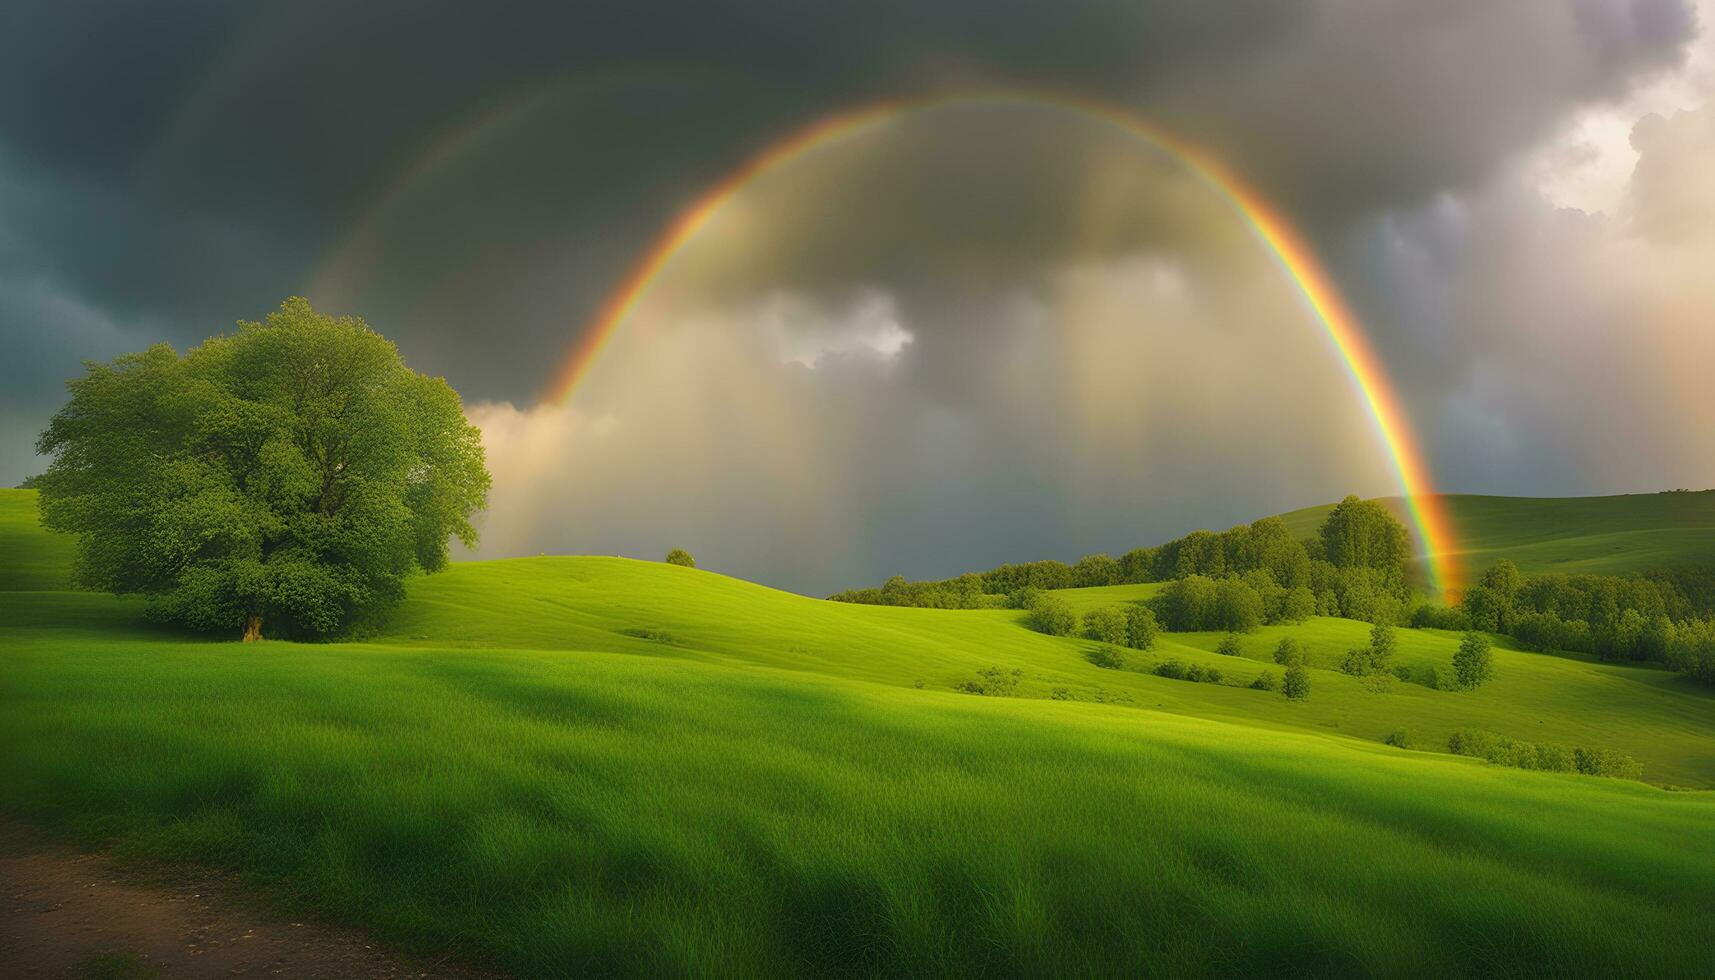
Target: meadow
[564, 766]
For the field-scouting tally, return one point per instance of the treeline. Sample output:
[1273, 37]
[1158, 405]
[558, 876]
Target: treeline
[1663, 617]
[1356, 566]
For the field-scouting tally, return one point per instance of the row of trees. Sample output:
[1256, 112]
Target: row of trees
[1356, 565]
[1662, 618]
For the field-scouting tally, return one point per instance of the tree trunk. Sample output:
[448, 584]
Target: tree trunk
[252, 627]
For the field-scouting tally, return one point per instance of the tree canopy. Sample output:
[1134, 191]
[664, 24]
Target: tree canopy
[293, 473]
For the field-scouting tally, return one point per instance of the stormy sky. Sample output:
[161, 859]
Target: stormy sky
[981, 332]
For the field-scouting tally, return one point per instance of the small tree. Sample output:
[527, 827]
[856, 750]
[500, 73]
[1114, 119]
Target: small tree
[1474, 663]
[1383, 643]
[1289, 652]
[1296, 683]
[1140, 627]
[1105, 625]
[679, 556]
[1229, 646]
[1051, 615]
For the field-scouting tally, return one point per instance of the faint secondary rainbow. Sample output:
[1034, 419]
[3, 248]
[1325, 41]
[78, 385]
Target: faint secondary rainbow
[1293, 254]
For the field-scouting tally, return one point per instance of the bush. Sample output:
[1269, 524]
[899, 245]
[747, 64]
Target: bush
[1060, 694]
[1212, 675]
[1051, 615]
[1693, 650]
[1474, 662]
[1556, 758]
[1300, 605]
[1093, 570]
[1473, 741]
[1289, 652]
[1266, 681]
[995, 682]
[1140, 627]
[1238, 607]
[1606, 762]
[1398, 738]
[1024, 598]
[1356, 662]
[1440, 618]
[681, 557]
[1174, 669]
[1229, 646]
[1296, 684]
[1105, 625]
[1109, 656]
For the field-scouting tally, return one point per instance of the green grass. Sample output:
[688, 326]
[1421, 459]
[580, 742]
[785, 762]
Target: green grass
[30, 558]
[593, 765]
[1604, 535]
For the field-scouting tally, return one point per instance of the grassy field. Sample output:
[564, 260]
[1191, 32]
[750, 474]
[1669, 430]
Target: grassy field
[592, 765]
[1606, 535]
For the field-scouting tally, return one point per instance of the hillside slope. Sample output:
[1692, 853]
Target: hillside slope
[572, 812]
[572, 766]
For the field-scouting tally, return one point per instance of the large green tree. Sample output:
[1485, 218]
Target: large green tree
[1363, 534]
[292, 473]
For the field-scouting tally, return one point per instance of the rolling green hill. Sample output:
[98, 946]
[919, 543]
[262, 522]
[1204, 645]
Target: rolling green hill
[1605, 535]
[597, 765]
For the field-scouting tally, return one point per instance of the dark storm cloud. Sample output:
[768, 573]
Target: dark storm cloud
[474, 179]
[191, 163]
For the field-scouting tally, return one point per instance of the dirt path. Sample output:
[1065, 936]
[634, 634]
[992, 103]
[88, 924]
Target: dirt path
[68, 915]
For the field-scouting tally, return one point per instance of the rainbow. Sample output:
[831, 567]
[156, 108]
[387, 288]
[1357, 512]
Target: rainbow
[1294, 256]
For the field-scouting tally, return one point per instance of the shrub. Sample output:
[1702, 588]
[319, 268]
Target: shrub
[1428, 616]
[1171, 668]
[1606, 762]
[1474, 662]
[679, 556]
[1051, 615]
[1356, 662]
[1109, 656]
[1296, 684]
[1473, 741]
[995, 682]
[1212, 675]
[1300, 605]
[1556, 758]
[1140, 627]
[1289, 652]
[1185, 604]
[1238, 607]
[1024, 598]
[1095, 570]
[1060, 694]
[1398, 738]
[1266, 681]
[1692, 650]
[1378, 683]
[1229, 646]
[1105, 625]
[1195, 672]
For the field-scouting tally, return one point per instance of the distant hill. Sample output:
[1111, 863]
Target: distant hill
[1606, 535]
